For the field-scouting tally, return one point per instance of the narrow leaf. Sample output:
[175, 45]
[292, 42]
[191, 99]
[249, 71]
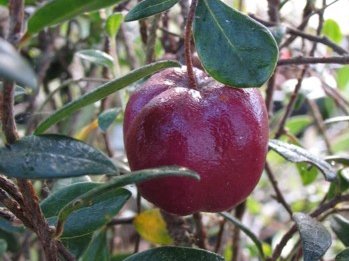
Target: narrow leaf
[133, 177]
[242, 53]
[98, 248]
[246, 230]
[113, 23]
[58, 11]
[315, 237]
[152, 227]
[174, 254]
[102, 92]
[336, 119]
[294, 153]
[51, 205]
[340, 227]
[77, 245]
[97, 57]
[343, 256]
[52, 156]
[106, 118]
[13, 67]
[148, 8]
[96, 213]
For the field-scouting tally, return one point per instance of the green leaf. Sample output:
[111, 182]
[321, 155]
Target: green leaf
[102, 92]
[278, 32]
[98, 248]
[3, 246]
[113, 23]
[246, 230]
[52, 156]
[4, 2]
[13, 67]
[120, 257]
[6, 226]
[58, 11]
[13, 244]
[343, 256]
[340, 227]
[339, 186]
[106, 118]
[148, 8]
[308, 173]
[342, 77]
[77, 245]
[297, 124]
[294, 153]
[332, 30]
[93, 215]
[97, 57]
[51, 205]
[134, 177]
[174, 254]
[314, 236]
[242, 53]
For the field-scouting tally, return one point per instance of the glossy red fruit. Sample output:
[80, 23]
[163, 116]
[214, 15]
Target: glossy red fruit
[218, 131]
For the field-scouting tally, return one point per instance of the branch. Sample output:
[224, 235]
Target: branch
[314, 60]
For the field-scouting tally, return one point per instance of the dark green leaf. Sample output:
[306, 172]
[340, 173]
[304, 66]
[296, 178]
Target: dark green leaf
[4, 2]
[57, 200]
[13, 244]
[175, 254]
[246, 230]
[133, 177]
[13, 67]
[98, 248]
[294, 153]
[148, 8]
[102, 92]
[120, 257]
[97, 57]
[242, 53]
[58, 11]
[6, 226]
[106, 118]
[332, 30]
[339, 186]
[77, 245]
[113, 23]
[93, 215]
[315, 237]
[340, 227]
[343, 256]
[52, 156]
[3, 246]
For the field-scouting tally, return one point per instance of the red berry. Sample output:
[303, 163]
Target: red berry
[218, 131]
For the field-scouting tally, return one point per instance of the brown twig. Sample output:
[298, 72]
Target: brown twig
[200, 230]
[220, 235]
[121, 221]
[239, 213]
[187, 43]
[150, 50]
[279, 196]
[11, 189]
[290, 105]
[314, 60]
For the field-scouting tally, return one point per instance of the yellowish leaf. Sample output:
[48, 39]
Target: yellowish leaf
[152, 227]
[86, 131]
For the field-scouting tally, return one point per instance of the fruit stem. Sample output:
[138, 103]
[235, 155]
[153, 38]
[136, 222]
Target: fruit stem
[187, 45]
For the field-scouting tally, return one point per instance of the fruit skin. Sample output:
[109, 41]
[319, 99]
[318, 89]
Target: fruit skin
[218, 131]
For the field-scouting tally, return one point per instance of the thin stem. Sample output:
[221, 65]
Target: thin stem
[239, 213]
[187, 45]
[279, 196]
[152, 39]
[200, 230]
[290, 105]
[314, 60]
[220, 235]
